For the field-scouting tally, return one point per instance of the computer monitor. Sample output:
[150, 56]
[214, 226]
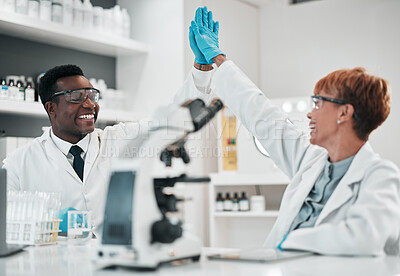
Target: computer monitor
[5, 249]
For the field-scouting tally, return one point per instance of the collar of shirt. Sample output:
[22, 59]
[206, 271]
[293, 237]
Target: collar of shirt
[337, 169]
[65, 146]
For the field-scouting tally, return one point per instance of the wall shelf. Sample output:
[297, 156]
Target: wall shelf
[22, 26]
[239, 179]
[36, 109]
[265, 214]
[227, 226]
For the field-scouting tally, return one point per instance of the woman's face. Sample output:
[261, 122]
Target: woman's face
[323, 122]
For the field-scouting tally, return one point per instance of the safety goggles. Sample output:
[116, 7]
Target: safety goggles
[317, 103]
[79, 95]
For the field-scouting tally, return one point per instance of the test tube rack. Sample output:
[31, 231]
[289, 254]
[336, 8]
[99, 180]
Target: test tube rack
[32, 232]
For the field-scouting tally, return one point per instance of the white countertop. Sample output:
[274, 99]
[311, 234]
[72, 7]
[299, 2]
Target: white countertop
[61, 259]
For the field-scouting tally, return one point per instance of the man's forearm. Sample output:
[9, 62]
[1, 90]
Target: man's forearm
[219, 59]
[208, 67]
[203, 67]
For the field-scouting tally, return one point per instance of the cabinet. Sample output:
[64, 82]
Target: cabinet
[244, 229]
[51, 33]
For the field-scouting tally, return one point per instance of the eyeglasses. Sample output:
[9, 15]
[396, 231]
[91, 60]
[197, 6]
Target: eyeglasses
[79, 95]
[317, 103]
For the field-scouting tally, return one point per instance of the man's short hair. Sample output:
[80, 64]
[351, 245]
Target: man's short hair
[48, 83]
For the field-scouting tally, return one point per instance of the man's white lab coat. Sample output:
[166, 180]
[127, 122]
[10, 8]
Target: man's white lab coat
[41, 166]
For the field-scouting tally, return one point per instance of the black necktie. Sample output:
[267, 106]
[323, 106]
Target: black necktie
[78, 161]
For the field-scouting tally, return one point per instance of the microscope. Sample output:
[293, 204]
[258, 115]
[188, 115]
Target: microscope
[139, 229]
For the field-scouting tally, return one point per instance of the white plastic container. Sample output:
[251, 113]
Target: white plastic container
[108, 21]
[98, 15]
[126, 24]
[33, 8]
[45, 10]
[29, 91]
[93, 82]
[57, 11]
[87, 15]
[257, 203]
[118, 20]
[78, 14]
[8, 5]
[101, 85]
[21, 6]
[68, 12]
[12, 87]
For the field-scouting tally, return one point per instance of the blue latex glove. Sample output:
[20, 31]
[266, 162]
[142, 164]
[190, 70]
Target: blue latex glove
[206, 34]
[199, 57]
[64, 216]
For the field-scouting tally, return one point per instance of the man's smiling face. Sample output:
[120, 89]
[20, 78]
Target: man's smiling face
[72, 121]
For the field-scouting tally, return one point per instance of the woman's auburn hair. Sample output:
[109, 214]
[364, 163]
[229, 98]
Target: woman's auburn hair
[369, 95]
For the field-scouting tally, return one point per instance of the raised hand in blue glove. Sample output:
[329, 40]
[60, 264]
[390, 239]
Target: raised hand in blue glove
[204, 18]
[198, 55]
[64, 217]
[206, 34]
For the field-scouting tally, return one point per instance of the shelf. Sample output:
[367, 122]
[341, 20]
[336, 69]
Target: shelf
[36, 109]
[22, 26]
[266, 214]
[238, 179]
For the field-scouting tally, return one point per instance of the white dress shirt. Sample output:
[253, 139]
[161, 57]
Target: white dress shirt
[65, 146]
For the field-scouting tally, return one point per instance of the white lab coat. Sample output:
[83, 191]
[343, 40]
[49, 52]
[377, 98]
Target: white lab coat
[362, 216]
[41, 166]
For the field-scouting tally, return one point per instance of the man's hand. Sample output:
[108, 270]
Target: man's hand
[198, 55]
[64, 217]
[203, 17]
[205, 32]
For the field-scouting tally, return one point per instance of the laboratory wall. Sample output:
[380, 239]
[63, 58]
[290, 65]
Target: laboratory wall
[153, 79]
[299, 44]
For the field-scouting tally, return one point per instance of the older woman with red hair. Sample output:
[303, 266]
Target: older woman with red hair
[343, 199]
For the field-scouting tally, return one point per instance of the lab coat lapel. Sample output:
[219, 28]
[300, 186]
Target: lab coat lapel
[99, 162]
[345, 189]
[92, 153]
[57, 156]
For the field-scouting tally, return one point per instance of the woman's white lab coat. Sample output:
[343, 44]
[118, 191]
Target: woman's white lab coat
[362, 216]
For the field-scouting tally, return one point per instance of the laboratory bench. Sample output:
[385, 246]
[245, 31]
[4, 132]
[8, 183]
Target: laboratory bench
[63, 259]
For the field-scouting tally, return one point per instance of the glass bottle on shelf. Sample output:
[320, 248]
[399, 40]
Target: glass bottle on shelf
[244, 203]
[219, 206]
[235, 202]
[20, 96]
[29, 90]
[4, 89]
[12, 89]
[228, 202]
